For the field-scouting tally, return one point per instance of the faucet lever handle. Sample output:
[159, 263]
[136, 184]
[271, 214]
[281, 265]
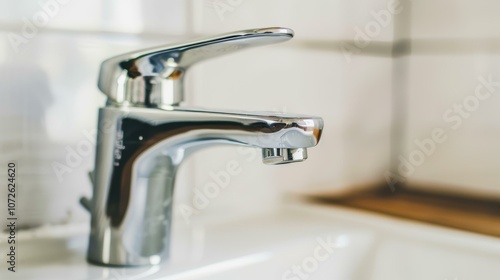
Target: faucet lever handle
[154, 77]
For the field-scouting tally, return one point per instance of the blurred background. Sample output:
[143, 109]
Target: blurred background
[407, 90]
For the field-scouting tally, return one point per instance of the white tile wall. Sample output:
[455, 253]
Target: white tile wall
[468, 161]
[367, 104]
[127, 16]
[454, 19]
[454, 44]
[318, 20]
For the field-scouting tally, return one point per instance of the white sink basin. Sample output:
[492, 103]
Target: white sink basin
[297, 242]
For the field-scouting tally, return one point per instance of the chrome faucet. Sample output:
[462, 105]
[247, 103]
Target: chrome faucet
[144, 135]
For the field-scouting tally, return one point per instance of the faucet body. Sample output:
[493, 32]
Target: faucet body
[138, 153]
[144, 135]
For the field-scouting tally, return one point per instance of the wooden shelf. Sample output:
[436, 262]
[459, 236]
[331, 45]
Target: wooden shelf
[471, 214]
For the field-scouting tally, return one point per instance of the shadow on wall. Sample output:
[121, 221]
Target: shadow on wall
[26, 96]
